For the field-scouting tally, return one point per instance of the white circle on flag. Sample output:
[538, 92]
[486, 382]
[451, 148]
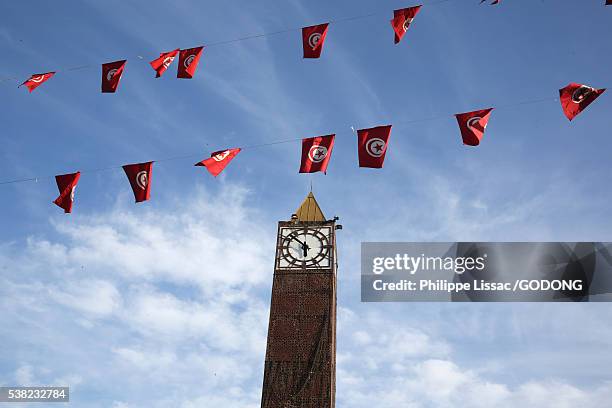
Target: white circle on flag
[188, 60]
[111, 74]
[581, 93]
[376, 147]
[142, 179]
[221, 156]
[72, 193]
[167, 62]
[407, 22]
[313, 40]
[474, 121]
[37, 78]
[317, 153]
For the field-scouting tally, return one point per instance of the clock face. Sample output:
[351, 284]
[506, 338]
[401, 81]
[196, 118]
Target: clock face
[305, 247]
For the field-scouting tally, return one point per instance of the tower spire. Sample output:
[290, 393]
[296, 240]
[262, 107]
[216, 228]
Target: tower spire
[309, 210]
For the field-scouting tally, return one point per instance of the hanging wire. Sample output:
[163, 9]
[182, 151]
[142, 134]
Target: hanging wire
[255, 146]
[165, 159]
[277, 142]
[235, 40]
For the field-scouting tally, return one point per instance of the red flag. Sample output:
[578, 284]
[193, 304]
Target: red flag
[313, 38]
[111, 75]
[473, 125]
[401, 21]
[161, 64]
[36, 80]
[218, 160]
[576, 97]
[316, 152]
[66, 184]
[608, 2]
[139, 176]
[372, 146]
[188, 62]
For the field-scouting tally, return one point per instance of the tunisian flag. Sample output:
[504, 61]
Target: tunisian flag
[576, 97]
[473, 125]
[139, 175]
[401, 21]
[161, 64]
[111, 75]
[316, 152]
[36, 80]
[66, 184]
[372, 146]
[188, 62]
[218, 160]
[313, 38]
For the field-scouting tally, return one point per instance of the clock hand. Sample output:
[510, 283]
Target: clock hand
[305, 246]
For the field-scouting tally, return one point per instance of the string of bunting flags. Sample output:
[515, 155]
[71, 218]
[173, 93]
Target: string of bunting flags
[372, 146]
[313, 39]
[316, 152]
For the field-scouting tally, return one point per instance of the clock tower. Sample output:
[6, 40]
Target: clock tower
[300, 366]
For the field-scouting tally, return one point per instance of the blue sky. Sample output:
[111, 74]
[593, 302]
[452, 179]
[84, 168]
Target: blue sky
[164, 303]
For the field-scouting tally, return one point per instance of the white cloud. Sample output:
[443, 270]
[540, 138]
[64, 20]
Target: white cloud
[90, 296]
[443, 384]
[140, 360]
[24, 375]
[208, 243]
[157, 303]
[171, 299]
